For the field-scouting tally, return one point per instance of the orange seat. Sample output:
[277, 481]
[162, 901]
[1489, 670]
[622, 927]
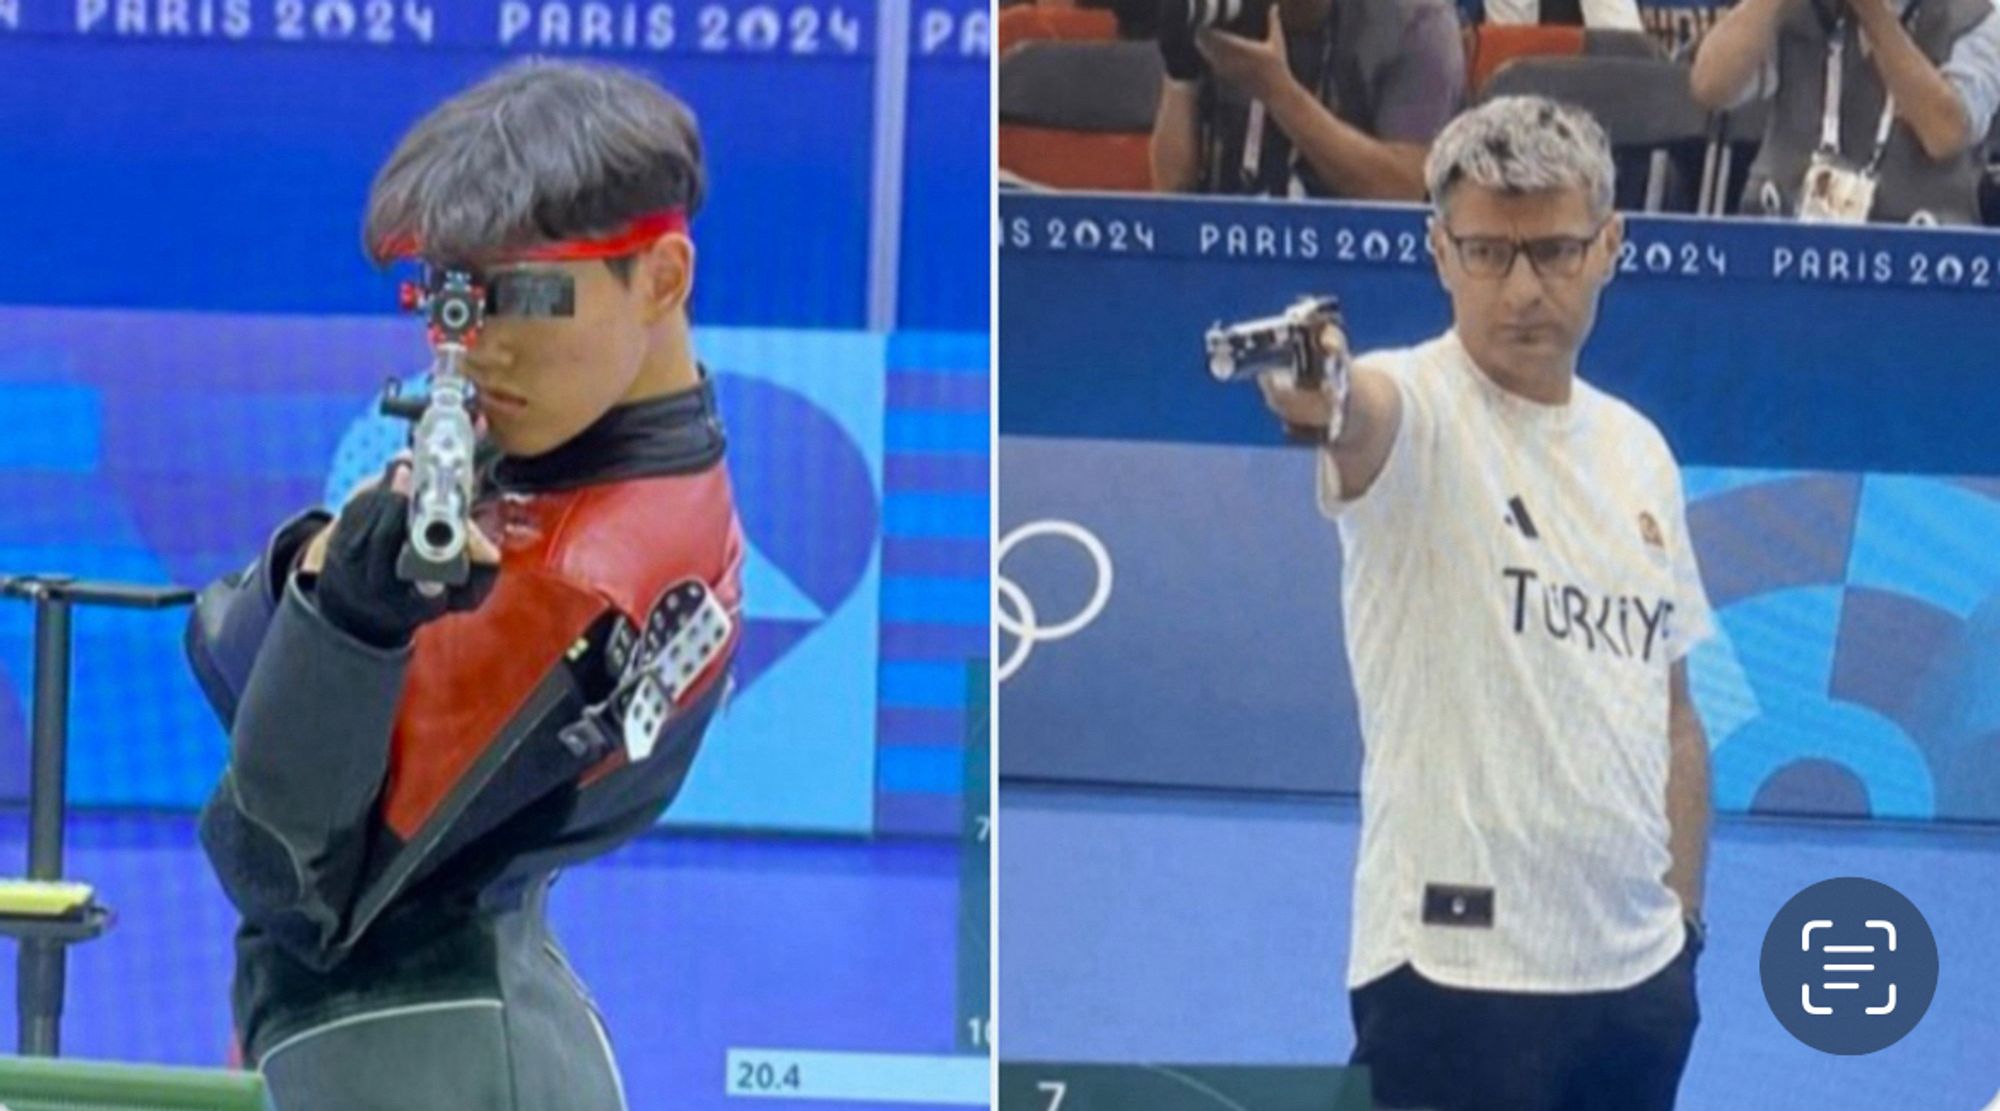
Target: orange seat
[1114, 161]
[1489, 46]
[1079, 115]
[1035, 23]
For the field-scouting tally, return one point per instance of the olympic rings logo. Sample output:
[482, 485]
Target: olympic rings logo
[1023, 624]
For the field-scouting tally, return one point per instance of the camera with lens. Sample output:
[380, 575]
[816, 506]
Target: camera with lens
[1249, 18]
[1181, 20]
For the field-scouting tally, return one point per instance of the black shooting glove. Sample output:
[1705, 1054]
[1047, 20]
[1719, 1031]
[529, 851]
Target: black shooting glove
[358, 590]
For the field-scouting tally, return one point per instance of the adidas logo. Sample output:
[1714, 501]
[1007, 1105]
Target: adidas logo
[1517, 517]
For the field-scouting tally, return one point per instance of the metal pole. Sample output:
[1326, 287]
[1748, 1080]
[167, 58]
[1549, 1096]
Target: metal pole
[885, 207]
[39, 991]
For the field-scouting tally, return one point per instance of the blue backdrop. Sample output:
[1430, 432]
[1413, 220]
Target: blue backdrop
[1828, 392]
[215, 154]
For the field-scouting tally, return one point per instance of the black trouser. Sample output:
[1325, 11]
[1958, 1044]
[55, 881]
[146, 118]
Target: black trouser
[1438, 1048]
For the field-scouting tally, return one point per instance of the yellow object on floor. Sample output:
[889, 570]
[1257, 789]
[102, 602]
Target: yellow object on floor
[43, 899]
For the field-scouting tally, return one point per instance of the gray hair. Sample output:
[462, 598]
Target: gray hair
[539, 151]
[1523, 144]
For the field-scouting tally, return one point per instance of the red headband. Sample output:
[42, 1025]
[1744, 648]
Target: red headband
[641, 233]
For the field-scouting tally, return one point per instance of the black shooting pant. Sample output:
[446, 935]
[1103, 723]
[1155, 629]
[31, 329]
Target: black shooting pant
[534, 1043]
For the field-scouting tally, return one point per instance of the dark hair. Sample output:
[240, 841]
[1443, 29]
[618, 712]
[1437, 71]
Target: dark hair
[540, 151]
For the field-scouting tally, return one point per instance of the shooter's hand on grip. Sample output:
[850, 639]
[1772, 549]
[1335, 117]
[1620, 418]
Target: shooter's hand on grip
[1307, 412]
[359, 590]
[1311, 399]
[1299, 359]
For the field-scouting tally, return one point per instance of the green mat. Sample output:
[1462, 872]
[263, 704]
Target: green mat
[40, 1084]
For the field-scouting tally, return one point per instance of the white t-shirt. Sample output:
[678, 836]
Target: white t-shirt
[1517, 585]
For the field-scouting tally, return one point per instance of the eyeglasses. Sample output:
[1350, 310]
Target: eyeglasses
[1550, 256]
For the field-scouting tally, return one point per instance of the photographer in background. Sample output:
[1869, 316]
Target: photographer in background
[1322, 98]
[1896, 136]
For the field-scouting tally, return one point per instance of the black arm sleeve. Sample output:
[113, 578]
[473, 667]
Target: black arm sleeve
[233, 613]
[289, 827]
